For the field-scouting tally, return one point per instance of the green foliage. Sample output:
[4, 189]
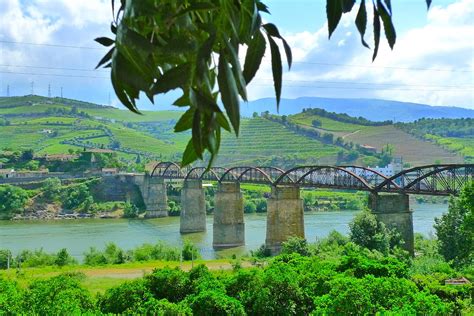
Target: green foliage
[11, 298]
[60, 295]
[295, 245]
[367, 231]
[174, 51]
[6, 258]
[455, 229]
[51, 188]
[130, 211]
[77, 196]
[190, 251]
[63, 258]
[171, 284]
[214, 303]
[12, 200]
[125, 298]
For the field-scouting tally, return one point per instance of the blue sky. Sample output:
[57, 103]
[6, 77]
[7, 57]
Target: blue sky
[432, 63]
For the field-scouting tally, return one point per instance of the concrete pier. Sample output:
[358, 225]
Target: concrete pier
[228, 227]
[193, 207]
[284, 217]
[154, 196]
[394, 211]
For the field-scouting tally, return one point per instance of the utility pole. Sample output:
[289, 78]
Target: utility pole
[8, 90]
[32, 88]
[49, 90]
[109, 100]
[61, 92]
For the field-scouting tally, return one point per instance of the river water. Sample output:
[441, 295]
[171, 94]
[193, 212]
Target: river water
[78, 235]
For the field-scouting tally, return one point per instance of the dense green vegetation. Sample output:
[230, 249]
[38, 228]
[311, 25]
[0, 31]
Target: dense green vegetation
[365, 273]
[60, 126]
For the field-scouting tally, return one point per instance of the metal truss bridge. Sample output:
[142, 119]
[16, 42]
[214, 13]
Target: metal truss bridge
[441, 179]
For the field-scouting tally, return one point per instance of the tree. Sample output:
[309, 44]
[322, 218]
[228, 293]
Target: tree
[51, 188]
[12, 200]
[316, 123]
[367, 231]
[194, 46]
[27, 155]
[455, 229]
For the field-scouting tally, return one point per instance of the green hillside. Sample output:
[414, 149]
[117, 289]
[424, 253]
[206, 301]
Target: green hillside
[55, 126]
[262, 141]
[414, 150]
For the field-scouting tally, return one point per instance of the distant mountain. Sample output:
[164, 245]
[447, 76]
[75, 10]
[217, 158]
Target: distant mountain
[371, 109]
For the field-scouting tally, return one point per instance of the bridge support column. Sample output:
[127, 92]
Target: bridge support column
[193, 207]
[394, 211]
[228, 227]
[284, 217]
[154, 197]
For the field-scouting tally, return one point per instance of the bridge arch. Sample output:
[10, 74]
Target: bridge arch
[201, 173]
[248, 174]
[324, 176]
[443, 179]
[373, 177]
[167, 169]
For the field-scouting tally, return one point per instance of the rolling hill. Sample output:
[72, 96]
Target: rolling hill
[55, 125]
[371, 109]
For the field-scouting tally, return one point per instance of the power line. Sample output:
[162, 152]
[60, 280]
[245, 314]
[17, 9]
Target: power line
[372, 83]
[54, 75]
[383, 67]
[294, 62]
[53, 68]
[52, 45]
[363, 88]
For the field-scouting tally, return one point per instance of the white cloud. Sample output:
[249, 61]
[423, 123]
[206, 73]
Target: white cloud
[446, 42]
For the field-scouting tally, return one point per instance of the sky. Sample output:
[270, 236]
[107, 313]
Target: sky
[46, 46]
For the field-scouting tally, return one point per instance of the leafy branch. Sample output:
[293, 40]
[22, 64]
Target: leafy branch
[194, 45]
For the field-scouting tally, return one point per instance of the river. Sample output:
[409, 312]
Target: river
[78, 235]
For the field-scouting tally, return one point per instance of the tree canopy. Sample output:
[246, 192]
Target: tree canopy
[194, 46]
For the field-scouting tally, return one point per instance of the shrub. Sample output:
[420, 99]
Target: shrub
[295, 245]
[171, 284]
[11, 298]
[12, 200]
[367, 231]
[63, 258]
[126, 298]
[455, 229]
[190, 251]
[94, 257]
[51, 188]
[215, 303]
[60, 295]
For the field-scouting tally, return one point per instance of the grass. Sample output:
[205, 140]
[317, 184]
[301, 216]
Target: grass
[101, 278]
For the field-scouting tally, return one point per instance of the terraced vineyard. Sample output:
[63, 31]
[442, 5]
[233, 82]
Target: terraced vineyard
[260, 139]
[413, 150]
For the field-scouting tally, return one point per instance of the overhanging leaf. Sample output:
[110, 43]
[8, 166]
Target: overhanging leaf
[253, 58]
[185, 122]
[387, 24]
[334, 13]
[346, 5]
[428, 3]
[104, 41]
[276, 69]
[189, 154]
[361, 22]
[106, 58]
[376, 33]
[229, 92]
[174, 78]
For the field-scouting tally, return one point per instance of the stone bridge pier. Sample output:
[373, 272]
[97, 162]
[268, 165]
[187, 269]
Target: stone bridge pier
[284, 217]
[228, 227]
[193, 207]
[154, 196]
[394, 211]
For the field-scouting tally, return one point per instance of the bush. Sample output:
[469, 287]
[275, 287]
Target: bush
[63, 258]
[249, 206]
[5, 258]
[94, 257]
[367, 231]
[190, 251]
[12, 200]
[51, 189]
[11, 298]
[215, 303]
[295, 245]
[60, 295]
[171, 284]
[126, 298]
[77, 196]
[36, 258]
[455, 229]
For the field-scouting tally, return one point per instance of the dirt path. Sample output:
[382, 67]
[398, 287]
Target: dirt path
[355, 132]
